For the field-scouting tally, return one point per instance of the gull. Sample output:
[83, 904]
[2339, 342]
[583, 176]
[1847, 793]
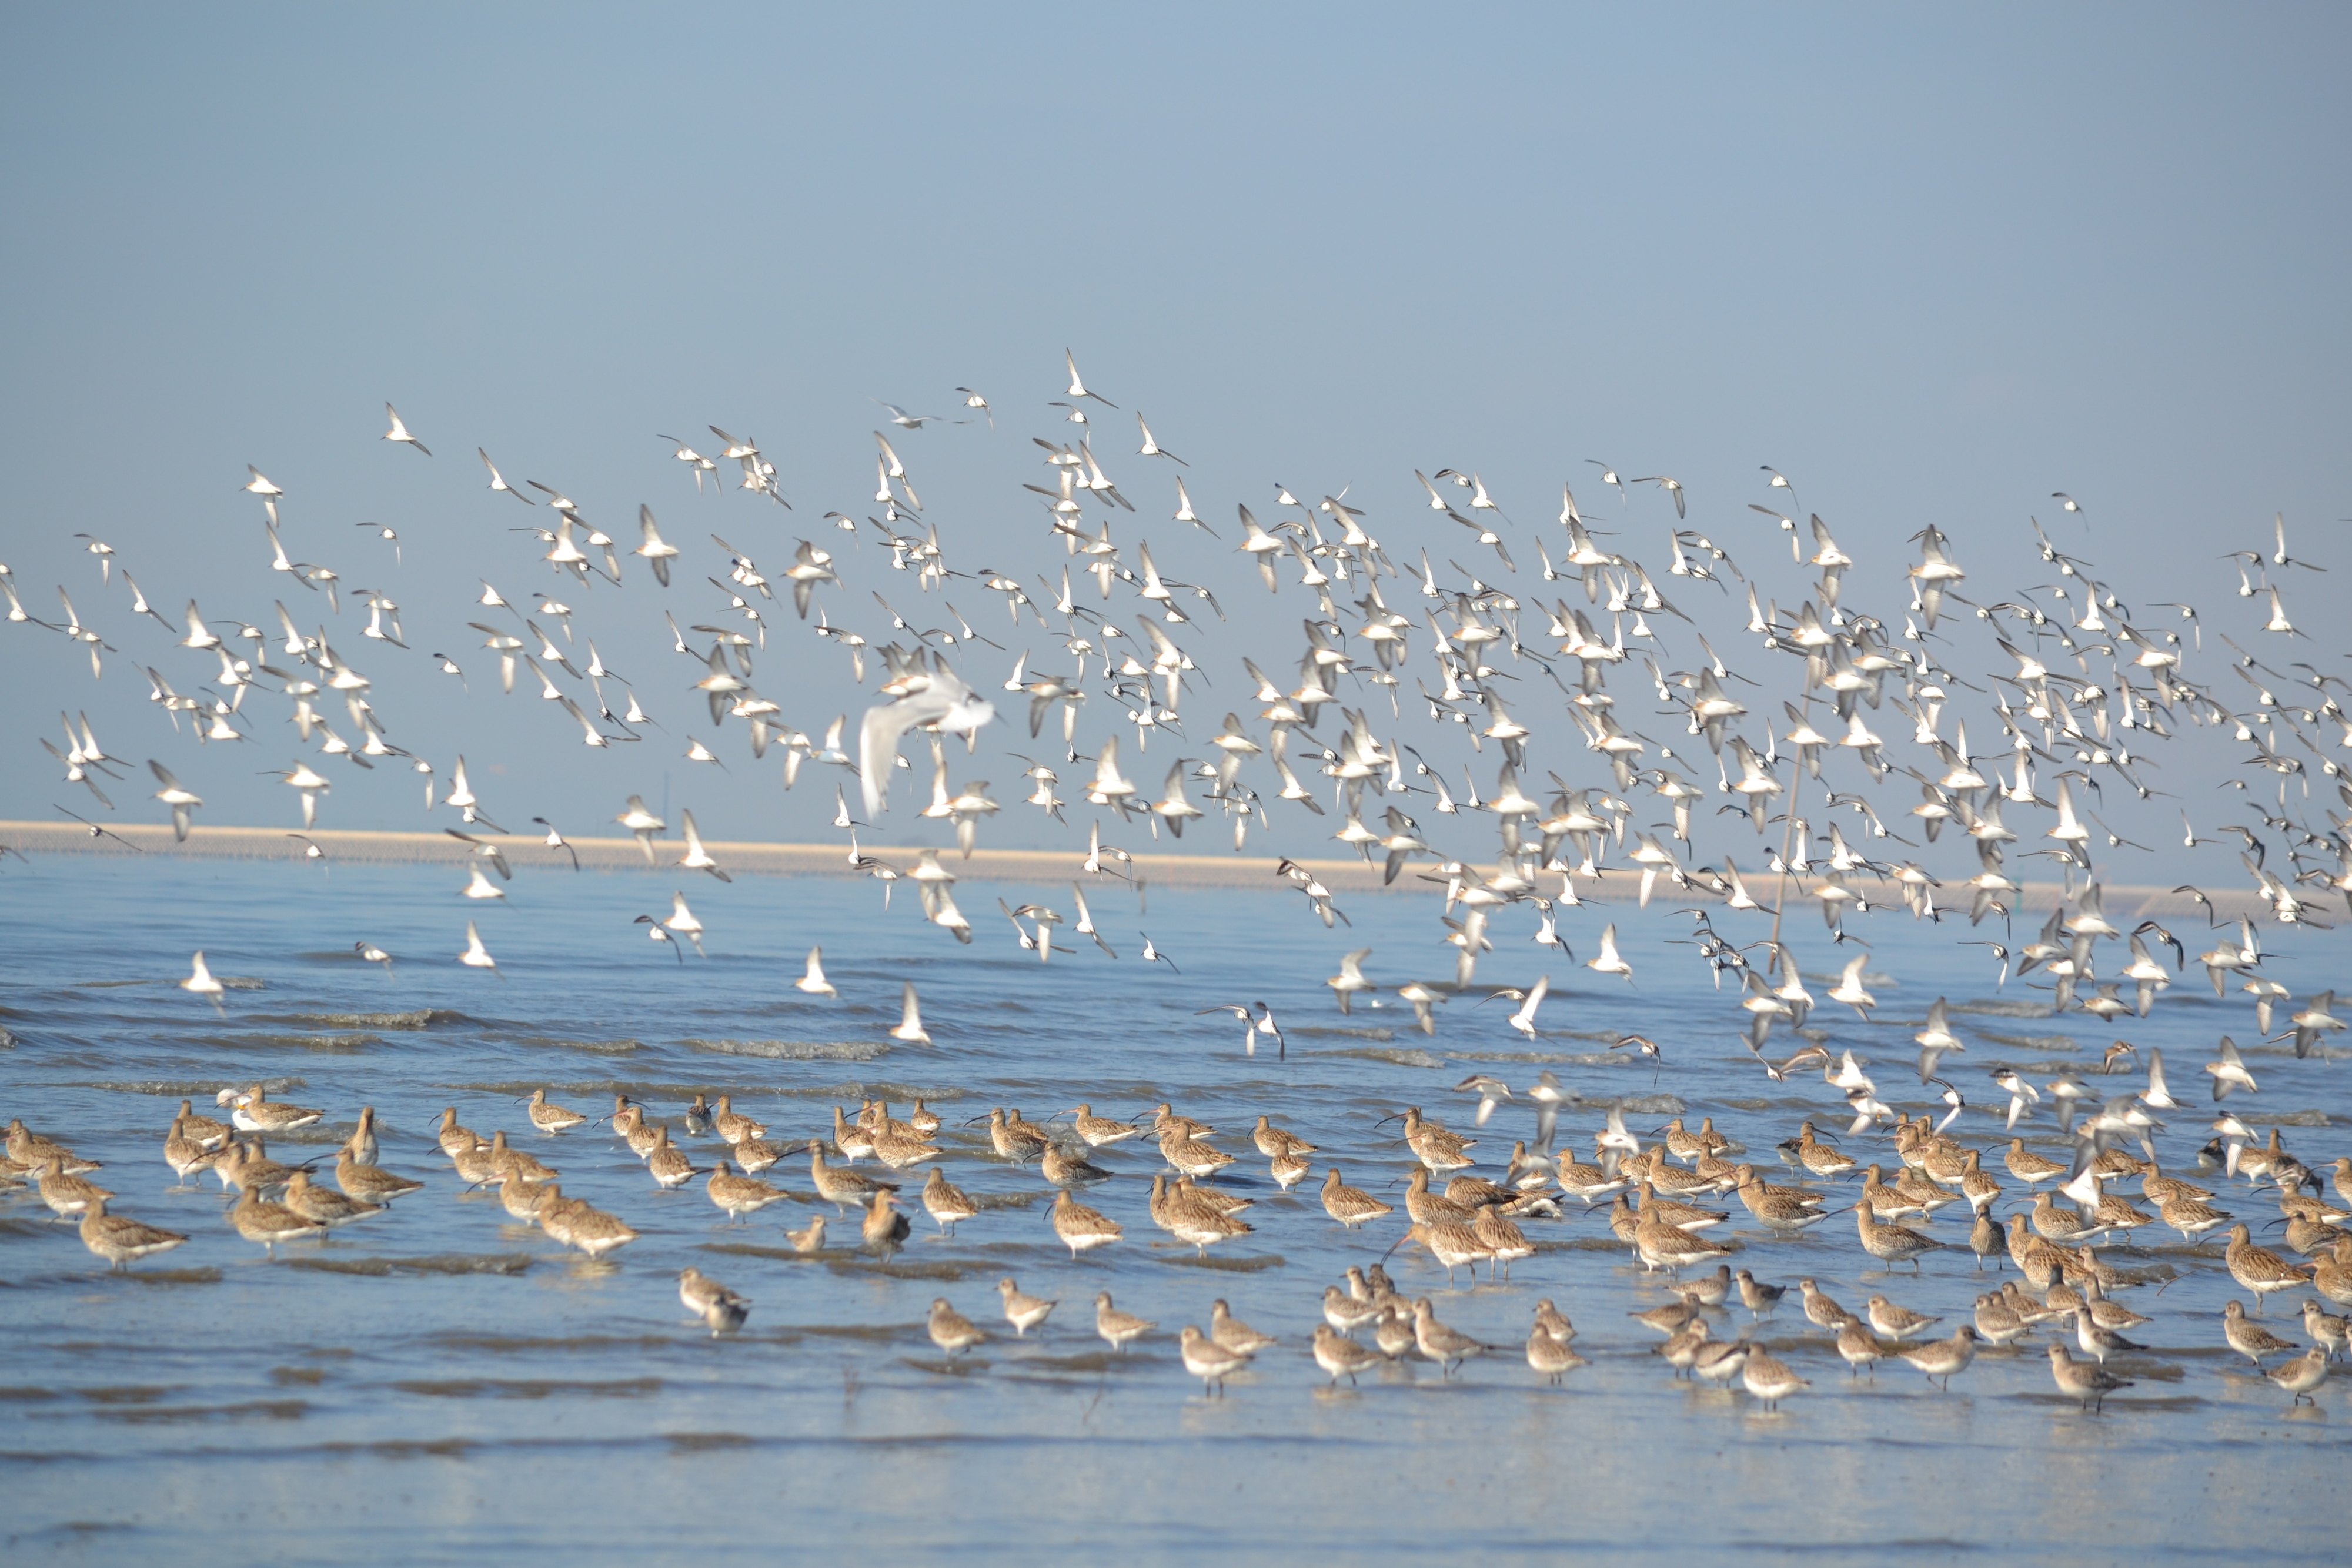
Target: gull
[1152, 954]
[910, 1018]
[498, 480]
[475, 955]
[2230, 1072]
[814, 982]
[399, 432]
[178, 798]
[1078, 388]
[930, 694]
[200, 982]
[1351, 977]
[1151, 448]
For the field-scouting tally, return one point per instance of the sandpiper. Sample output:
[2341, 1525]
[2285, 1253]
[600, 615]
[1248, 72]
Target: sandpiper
[1024, 1311]
[666, 1163]
[1708, 1290]
[1441, 1342]
[2100, 1342]
[121, 1239]
[68, 1195]
[837, 1187]
[1822, 1312]
[2083, 1380]
[2029, 1167]
[323, 1206]
[884, 1229]
[1548, 1357]
[1064, 1169]
[185, 1154]
[1861, 1349]
[2248, 1338]
[552, 1119]
[361, 1145]
[1099, 1130]
[1436, 1147]
[1082, 1228]
[212, 1134]
[950, 1330]
[256, 1113]
[2327, 1333]
[1768, 1377]
[1892, 1243]
[1757, 1296]
[30, 1149]
[1898, 1323]
[1344, 1312]
[1553, 1322]
[2258, 1269]
[1997, 1321]
[947, 1204]
[1273, 1141]
[1207, 1360]
[2301, 1375]
[810, 1237]
[1233, 1333]
[1944, 1359]
[269, 1223]
[1351, 1207]
[1121, 1329]
[731, 1125]
[1342, 1357]
[712, 1302]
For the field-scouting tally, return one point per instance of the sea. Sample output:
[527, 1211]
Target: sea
[443, 1384]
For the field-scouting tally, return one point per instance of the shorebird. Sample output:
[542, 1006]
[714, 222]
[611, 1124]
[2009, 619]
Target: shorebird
[713, 1302]
[2083, 1380]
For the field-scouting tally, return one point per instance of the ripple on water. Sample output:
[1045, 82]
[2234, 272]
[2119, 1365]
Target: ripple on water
[794, 1049]
[1399, 1056]
[440, 1264]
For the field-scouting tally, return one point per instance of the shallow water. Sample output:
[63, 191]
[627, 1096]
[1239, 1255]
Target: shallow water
[440, 1380]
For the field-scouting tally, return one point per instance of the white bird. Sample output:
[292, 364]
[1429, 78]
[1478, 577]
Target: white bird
[2230, 1072]
[200, 982]
[933, 695]
[475, 955]
[910, 1019]
[1849, 989]
[399, 432]
[498, 480]
[1609, 962]
[1524, 1021]
[681, 920]
[814, 981]
[174, 795]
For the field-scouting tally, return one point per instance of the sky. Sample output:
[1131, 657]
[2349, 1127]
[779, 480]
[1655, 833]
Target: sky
[1932, 264]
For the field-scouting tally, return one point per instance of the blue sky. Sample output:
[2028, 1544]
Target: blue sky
[1932, 264]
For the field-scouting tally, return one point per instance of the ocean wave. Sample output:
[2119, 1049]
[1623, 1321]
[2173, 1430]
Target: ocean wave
[794, 1049]
[1400, 1057]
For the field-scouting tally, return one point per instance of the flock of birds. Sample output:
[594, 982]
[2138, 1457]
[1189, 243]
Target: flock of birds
[1472, 1221]
[2079, 693]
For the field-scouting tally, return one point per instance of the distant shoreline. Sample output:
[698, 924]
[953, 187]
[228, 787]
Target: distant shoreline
[1349, 878]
